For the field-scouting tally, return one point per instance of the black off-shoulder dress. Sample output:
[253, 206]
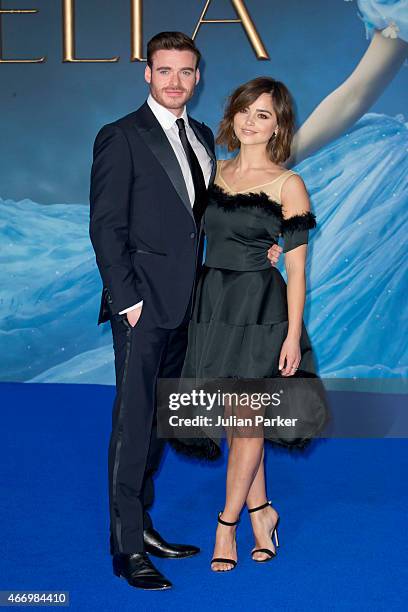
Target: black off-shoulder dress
[240, 317]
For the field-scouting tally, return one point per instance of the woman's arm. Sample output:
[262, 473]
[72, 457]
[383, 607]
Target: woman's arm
[295, 204]
[341, 109]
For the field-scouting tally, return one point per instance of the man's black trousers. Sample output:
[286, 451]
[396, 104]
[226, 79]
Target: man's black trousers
[141, 357]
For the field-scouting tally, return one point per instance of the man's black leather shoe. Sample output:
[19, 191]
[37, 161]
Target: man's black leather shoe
[155, 545]
[139, 571]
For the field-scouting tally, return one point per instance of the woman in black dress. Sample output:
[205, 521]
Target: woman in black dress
[247, 323]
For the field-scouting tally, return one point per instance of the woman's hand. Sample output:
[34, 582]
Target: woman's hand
[274, 253]
[290, 353]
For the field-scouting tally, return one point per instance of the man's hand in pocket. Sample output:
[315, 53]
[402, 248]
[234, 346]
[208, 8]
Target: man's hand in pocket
[134, 315]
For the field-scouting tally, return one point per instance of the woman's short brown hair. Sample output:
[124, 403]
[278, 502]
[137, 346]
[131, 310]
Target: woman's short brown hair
[169, 41]
[278, 146]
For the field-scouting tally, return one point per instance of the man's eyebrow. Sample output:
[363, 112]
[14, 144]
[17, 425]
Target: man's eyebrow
[169, 68]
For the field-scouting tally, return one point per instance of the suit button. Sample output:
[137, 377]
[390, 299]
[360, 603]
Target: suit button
[192, 235]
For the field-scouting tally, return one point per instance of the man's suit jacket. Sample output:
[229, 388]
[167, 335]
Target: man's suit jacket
[142, 226]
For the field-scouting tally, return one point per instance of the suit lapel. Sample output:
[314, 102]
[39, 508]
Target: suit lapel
[155, 138]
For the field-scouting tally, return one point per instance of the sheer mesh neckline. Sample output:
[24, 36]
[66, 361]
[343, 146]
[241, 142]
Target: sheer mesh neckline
[221, 161]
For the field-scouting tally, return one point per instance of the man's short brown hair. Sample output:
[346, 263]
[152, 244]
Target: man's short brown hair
[169, 41]
[278, 147]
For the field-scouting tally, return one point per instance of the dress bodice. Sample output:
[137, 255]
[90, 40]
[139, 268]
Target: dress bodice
[241, 226]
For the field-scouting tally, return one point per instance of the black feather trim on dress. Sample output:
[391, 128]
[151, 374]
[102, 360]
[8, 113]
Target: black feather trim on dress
[197, 448]
[230, 202]
[304, 221]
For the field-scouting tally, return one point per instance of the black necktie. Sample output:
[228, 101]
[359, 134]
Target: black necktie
[200, 199]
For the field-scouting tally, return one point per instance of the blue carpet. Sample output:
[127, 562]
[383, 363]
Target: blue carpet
[343, 507]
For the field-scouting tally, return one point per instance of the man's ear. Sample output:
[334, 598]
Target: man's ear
[198, 76]
[148, 74]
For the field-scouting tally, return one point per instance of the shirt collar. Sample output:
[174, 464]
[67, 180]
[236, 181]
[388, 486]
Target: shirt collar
[163, 115]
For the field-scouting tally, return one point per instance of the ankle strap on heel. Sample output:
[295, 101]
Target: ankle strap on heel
[268, 503]
[220, 520]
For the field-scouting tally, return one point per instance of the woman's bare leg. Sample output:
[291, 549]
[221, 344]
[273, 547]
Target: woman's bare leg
[257, 491]
[243, 462]
[264, 520]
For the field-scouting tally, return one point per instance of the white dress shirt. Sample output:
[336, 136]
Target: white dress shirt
[167, 121]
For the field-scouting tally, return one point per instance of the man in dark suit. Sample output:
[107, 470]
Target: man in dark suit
[149, 178]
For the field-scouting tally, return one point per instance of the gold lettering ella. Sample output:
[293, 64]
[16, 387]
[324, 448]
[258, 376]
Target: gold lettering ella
[68, 35]
[136, 33]
[244, 19]
[16, 61]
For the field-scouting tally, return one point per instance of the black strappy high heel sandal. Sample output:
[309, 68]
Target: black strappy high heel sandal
[274, 532]
[220, 559]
